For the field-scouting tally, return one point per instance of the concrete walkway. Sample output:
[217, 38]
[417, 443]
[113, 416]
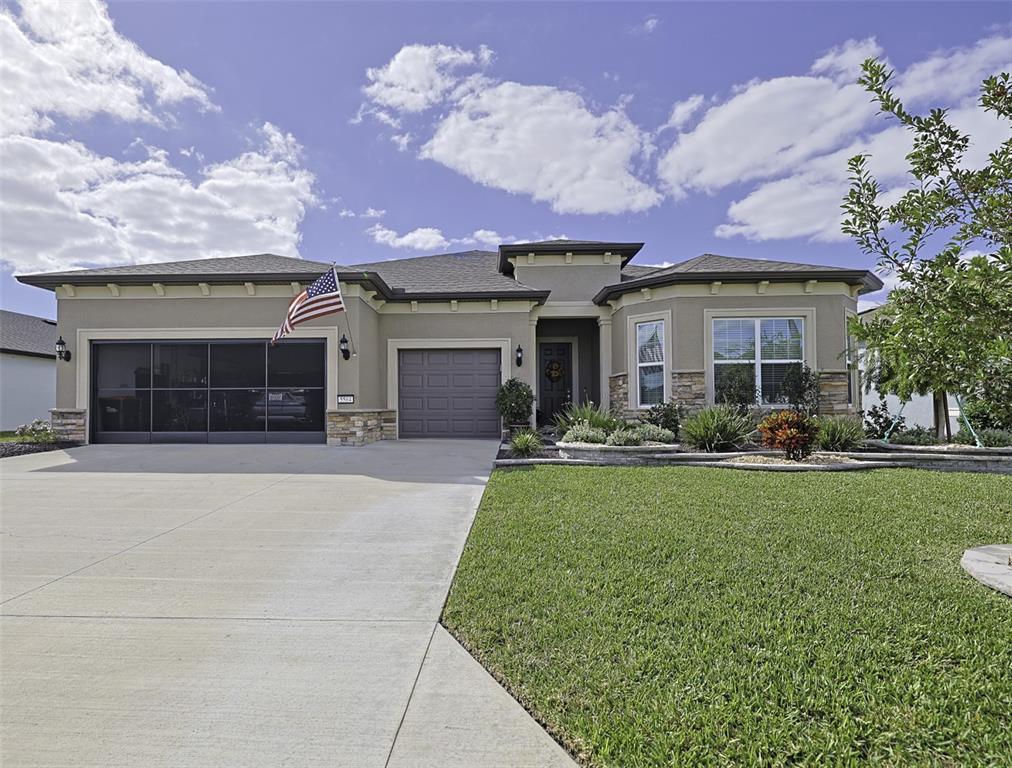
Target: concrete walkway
[245, 606]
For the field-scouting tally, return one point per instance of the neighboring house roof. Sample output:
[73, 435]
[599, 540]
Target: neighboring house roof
[466, 272]
[625, 250]
[711, 267]
[634, 271]
[27, 335]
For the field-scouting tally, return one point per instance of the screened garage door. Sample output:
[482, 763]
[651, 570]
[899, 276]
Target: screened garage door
[448, 392]
[219, 391]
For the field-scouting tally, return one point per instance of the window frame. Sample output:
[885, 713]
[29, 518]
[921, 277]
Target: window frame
[641, 365]
[632, 355]
[805, 316]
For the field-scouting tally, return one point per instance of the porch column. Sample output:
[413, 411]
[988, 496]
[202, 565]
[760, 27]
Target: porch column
[531, 363]
[604, 340]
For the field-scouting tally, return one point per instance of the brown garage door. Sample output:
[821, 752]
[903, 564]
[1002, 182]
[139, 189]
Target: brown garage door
[448, 392]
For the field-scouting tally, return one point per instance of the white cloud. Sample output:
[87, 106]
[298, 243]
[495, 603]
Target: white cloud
[546, 143]
[65, 59]
[540, 141]
[843, 63]
[65, 206]
[767, 128]
[683, 111]
[648, 25]
[419, 76]
[368, 213]
[954, 75]
[420, 239]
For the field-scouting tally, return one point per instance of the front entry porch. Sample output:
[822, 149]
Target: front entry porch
[567, 365]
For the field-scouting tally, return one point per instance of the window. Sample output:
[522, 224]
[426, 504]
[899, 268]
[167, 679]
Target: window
[650, 363]
[761, 350]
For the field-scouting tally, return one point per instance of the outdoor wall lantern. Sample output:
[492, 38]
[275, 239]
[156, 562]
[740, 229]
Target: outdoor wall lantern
[520, 356]
[61, 350]
[343, 346]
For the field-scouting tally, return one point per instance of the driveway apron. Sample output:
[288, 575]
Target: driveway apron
[245, 606]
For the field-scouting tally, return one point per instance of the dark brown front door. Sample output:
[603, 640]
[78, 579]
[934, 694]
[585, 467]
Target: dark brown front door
[555, 359]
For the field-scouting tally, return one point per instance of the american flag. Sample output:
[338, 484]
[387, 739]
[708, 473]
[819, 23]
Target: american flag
[322, 297]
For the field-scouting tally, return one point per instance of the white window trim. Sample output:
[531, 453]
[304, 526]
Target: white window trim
[806, 314]
[632, 361]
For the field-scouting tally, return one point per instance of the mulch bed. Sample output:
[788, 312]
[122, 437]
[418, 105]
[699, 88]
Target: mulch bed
[23, 449]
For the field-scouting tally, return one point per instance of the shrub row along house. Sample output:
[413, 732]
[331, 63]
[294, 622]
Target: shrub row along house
[179, 351]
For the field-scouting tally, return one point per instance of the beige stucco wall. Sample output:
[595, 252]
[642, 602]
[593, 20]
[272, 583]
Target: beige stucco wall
[220, 314]
[572, 282]
[27, 389]
[688, 333]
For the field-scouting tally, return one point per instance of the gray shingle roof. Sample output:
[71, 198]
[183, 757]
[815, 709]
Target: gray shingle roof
[27, 334]
[633, 271]
[465, 272]
[710, 266]
[258, 263]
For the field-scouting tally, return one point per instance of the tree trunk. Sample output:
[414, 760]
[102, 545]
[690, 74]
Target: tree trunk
[941, 408]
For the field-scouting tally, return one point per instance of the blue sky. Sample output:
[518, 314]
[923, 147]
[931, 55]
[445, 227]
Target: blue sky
[140, 132]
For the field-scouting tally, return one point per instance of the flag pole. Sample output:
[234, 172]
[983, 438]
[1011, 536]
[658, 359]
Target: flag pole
[351, 337]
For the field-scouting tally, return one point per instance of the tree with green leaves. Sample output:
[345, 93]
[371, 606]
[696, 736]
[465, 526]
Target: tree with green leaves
[947, 325]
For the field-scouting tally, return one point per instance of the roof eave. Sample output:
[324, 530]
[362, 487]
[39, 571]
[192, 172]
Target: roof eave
[26, 353]
[867, 280]
[626, 250]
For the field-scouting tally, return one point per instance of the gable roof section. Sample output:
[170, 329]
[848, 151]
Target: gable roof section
[710, 267]
[464, 273]
[625, 250]
[27, 335]
[426, 278]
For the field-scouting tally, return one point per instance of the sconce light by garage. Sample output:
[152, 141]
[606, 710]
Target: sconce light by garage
[62, 352]
[343, 346]
[520, 356]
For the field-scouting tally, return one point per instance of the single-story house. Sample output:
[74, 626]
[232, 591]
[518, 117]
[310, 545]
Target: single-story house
[179, 351]
[27, 368]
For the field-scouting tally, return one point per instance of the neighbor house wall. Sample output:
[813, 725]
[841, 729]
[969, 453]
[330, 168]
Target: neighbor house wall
[27, 389]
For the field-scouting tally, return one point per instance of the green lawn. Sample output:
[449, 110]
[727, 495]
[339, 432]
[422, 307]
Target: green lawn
[688, 616]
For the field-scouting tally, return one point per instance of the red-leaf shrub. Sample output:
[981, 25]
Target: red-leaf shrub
[791, 431]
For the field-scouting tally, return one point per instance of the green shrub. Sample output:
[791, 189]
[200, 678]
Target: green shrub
[800, 389]
[914, 436]
[878, 420]
[514, 400]
[736, 386]
[39, 431]
[984, 415]
[582, 432]
[991, 438]
[793, 432]
[718, 428]
[840, 433]
[525, 444]
[665, 415]
[625, 436]
[585, 413]
[651, 433]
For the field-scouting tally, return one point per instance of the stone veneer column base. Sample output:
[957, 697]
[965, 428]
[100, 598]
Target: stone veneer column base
[69, 424]
[833, 394]
[688, 389]
[618, 396]
[361, 426]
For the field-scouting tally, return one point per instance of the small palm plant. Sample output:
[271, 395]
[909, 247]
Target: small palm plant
[525, 444]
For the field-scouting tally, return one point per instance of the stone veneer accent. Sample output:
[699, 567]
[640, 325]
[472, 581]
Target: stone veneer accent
[688, 389]
[360, 426]
[618, 396]
[833, 394]
[69, 424]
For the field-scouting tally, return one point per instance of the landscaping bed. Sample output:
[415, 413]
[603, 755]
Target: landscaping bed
[651, 616]
[10, 448]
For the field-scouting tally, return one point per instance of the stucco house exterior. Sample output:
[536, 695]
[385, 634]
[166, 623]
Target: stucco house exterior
[179, 352]
[27, 368]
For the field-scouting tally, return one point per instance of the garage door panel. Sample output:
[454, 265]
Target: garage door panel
[448, 393]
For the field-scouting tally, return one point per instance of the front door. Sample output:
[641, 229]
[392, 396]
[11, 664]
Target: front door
[556, 385]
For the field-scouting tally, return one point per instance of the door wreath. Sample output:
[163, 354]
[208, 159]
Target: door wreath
[554, 371]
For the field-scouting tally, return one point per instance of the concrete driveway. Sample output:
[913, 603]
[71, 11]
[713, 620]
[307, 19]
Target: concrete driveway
[245, 606]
